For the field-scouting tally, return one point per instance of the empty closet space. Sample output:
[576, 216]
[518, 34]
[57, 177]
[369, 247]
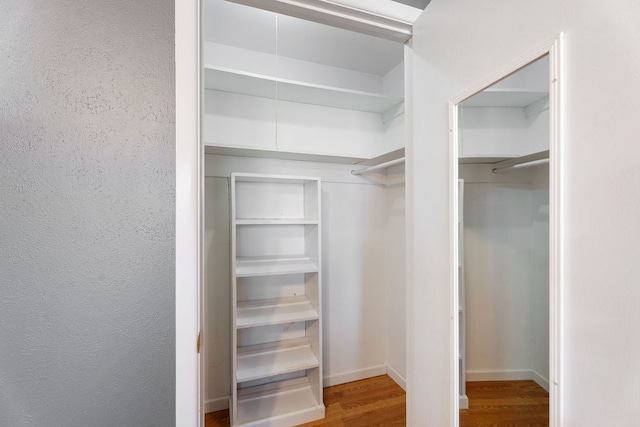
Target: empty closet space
[504, 233]
[304, 260]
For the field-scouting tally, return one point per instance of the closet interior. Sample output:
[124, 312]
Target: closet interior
[303, 128]
[503, 144]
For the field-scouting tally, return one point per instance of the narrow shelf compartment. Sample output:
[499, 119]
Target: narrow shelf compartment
[290, 400]
[269, 266]
[274, 311]
[276, 221]
[267, 360]
[236, 81]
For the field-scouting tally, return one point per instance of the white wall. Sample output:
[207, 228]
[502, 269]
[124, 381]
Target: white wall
[243, 121]
[539, 280]
[456, 45]
[497, 239]
[507, 273]
[87, 264]
[395, 274]
[363, 278]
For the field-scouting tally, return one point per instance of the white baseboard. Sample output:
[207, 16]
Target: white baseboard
[499, 375]
[359, 374]
[221, 403]
[464, 402]
[217, 404]
[399, 379]
[540, 380]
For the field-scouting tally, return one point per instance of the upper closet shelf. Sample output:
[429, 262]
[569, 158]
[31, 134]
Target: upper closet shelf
[384, 161]
[502, 97]
[235, 81]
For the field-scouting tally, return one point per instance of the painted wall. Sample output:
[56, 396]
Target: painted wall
[460, 43]
[507, 273]
[363, 274]
[87, 255]
[396, 274]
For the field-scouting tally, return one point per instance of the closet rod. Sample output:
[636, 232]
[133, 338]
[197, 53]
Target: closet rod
[521, 165]
[378, 167]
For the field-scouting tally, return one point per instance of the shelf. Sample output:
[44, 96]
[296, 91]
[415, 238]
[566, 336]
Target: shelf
[210, 148]
[235, 81]
[501, 97]
[276, 221]
[274, 311]
[267, 360]
[290, 400]
[270, 266]
[489, 159]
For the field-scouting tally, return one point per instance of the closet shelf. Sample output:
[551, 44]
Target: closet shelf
[236, 81]
[522, 161]
[267, 360]
[381, 162]
[274, 311]
[276, 221]
[271, 266]
[279, 399]
[504, 97]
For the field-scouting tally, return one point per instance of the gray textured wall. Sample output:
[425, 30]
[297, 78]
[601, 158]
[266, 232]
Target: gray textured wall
[87, 213]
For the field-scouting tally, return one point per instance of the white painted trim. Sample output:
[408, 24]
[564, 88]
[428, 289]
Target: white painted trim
[540, 380]
[356, 375]
[218, 404]
[500, 375]
[409, 231]
[464, 402]
[339, 15]
[556, 240]
[508, 375]
[189, 403]
[454, 318]
[397, 377]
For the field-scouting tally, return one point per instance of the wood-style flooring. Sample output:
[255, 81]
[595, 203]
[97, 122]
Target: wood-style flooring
[379, 401]
[505, 403]
[373, 402]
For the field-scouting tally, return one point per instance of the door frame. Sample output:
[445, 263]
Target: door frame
[556, 244]
[189, 218]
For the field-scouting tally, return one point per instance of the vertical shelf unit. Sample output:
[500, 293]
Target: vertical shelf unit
[276, 300]
[464, 400]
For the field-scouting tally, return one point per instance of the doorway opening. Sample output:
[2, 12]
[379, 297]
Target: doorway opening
[505, 289]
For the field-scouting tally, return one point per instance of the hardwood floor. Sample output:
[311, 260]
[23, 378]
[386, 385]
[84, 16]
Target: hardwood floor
[374, 402]
[379, 401]
[505, 403]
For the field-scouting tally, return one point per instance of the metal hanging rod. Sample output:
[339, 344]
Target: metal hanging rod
[378, 167]
[521, 165]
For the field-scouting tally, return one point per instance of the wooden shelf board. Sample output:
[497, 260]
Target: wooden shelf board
[270, 266]
[291, 401]
[274, 311]
[236, 81]
[276, 221]
[267, 360]
[500, 97]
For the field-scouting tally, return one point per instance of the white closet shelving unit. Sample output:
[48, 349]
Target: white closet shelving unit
[276, 300]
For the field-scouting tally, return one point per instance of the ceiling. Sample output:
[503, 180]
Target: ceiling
[255, 29]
